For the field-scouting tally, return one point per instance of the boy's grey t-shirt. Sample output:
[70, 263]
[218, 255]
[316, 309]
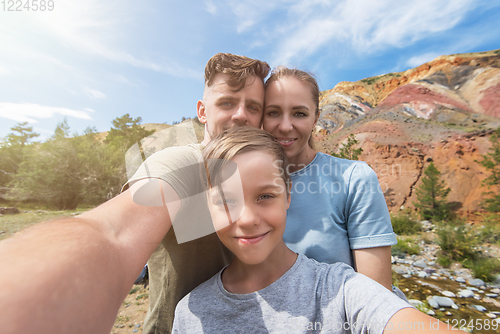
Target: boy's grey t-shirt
[311, 297]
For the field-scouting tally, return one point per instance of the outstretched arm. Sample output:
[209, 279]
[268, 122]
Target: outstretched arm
[71, 275]
[410, 320]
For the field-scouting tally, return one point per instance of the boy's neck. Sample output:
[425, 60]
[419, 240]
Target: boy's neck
[241, 278]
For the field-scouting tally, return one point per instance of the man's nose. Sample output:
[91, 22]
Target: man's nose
[240, 115]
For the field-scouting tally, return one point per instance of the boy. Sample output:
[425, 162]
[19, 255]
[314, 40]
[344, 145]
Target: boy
[267, 287]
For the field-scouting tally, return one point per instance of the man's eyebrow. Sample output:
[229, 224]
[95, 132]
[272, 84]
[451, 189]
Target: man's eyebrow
[226, 98]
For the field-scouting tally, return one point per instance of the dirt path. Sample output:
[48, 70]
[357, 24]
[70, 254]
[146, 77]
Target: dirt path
[132, 312]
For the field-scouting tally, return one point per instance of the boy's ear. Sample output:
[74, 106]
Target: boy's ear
[201, 112]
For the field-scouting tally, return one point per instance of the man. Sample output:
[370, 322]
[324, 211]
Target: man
[71, 275]
[233, 96]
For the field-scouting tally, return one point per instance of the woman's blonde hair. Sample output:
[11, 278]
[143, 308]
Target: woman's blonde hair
[303, 76]
[242, 139]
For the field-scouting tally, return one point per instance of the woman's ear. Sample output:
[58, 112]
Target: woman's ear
[289, 194]
[316, 120]
[200, 111]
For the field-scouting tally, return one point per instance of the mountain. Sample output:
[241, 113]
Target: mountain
[441, 111]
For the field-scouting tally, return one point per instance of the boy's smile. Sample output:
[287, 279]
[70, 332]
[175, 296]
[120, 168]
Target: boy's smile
[258, 231]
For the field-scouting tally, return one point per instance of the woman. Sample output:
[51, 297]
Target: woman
[338, 211]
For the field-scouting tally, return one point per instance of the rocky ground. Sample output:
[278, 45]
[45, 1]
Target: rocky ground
[131, 315]
[452, 294]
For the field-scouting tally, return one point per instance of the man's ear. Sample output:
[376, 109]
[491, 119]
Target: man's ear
[200, 111]
[289, 195]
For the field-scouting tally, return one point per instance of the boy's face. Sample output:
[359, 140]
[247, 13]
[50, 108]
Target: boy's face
[222, 107]
[258, 231]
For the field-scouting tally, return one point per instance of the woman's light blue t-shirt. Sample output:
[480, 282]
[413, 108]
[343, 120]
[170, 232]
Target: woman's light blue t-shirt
[337, 205]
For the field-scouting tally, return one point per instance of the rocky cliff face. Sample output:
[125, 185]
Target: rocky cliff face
[441, 111]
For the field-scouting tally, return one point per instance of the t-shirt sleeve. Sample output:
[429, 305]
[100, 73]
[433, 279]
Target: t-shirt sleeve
[368, 220]
[178, 166]
[368, 305]
[182, 168]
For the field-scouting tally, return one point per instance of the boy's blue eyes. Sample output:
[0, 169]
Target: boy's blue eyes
[232, 202]
[267, 196]
[227, 201]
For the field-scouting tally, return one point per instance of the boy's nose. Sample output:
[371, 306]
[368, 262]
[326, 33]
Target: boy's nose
[248, 219]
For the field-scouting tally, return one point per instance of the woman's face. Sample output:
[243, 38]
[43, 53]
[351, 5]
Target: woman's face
[290, 116]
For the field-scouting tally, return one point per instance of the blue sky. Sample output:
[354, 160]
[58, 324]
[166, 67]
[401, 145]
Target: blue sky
[94, 60]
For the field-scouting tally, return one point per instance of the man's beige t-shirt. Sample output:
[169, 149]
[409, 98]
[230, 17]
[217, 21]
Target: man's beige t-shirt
[176, 269]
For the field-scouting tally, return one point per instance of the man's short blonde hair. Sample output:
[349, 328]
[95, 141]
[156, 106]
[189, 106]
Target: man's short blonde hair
[238, 68]
[242, 139]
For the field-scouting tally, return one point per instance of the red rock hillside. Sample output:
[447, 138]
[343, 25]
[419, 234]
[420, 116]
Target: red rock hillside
[441, 111]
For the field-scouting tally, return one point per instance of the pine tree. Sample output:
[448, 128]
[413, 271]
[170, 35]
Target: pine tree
[125, 132]
[12, 153]
[347, 150]
[431, 195]
[491, 161]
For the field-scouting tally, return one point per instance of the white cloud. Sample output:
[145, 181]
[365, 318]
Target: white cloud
[365, 26]
[30, 112]
[94, 94]
[4, 71]
[89, 110]
[421, 59]
[251, 12]
[210, 7]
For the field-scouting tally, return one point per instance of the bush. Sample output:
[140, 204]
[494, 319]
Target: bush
[404, 225]
[405, 246]
[490, 231]
[457, 240]
[444, 261]
[483, 268]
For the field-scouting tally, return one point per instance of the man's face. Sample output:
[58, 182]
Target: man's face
[223, 108]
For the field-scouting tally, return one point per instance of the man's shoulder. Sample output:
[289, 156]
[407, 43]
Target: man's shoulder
[187, 150]
[166, 161]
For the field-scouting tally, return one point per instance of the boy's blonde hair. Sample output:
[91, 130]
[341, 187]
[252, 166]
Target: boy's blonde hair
[242, 139]
[238, 68]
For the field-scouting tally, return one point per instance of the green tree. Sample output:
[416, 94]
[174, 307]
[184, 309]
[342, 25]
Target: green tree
[432, 194]
[125, 132]
[347, 150]
[491, 161]
[66, 171]
[12, 149]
